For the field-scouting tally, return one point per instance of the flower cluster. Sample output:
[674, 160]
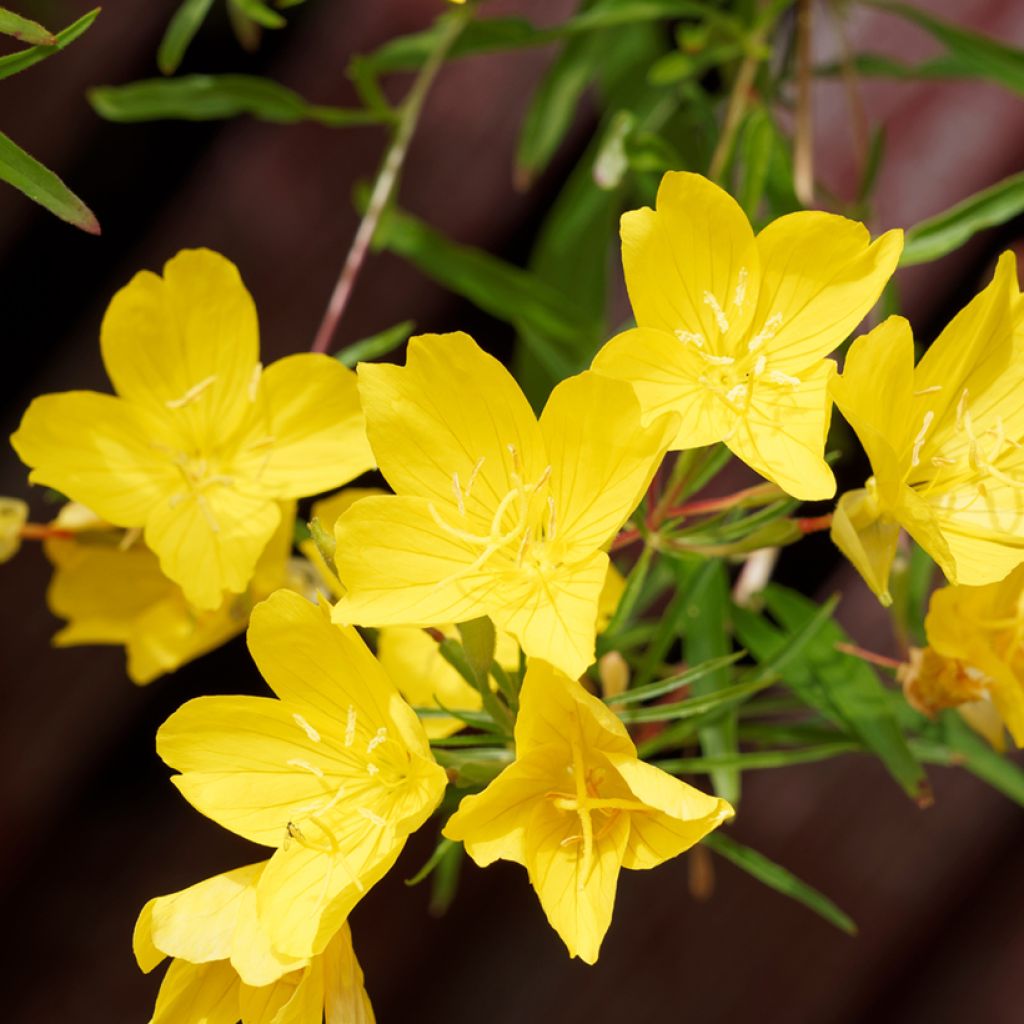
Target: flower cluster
[482, 581]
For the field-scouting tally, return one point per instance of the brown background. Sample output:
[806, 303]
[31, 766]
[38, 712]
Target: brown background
[91, 825]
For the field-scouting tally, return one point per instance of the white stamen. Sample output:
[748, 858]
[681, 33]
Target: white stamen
[915, 457]
[372, 769]
[306, 727]
[712, 303]
[371, 816]
[204, 507]
[254, 381]
[736, 394]
[473, 476]
[759, 366]
[350, 726]
[458, 493]
[778, 377]
[771, 325]
[297, 762]
[551, 517]
[934, 389]
[717, 360]
[690, 338]
[379, 737]
[192, 394]
[960, 406]
[741, 288]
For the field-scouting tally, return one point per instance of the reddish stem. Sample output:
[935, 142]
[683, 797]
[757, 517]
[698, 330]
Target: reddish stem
[815, 524]
[42, 531]
[881, 660]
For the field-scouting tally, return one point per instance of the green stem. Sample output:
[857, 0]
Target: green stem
[387, 177]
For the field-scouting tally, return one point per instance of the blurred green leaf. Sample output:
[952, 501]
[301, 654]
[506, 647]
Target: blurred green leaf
[475, 767]
[937, 236]
[981, 56]
[442, 850]
[707, 637]
[510, 293]
[181, 30]
[753, 160]
[693, 706]
[445, 881]
[872, 165]
[25, 30]
[842, 688]
[214, 97]
[376, 345]
[657, 689]
[41, 185]
[757, 760]
[779, 878]
[969, 749]
[615, 13]
[12, 63]
[260, 13]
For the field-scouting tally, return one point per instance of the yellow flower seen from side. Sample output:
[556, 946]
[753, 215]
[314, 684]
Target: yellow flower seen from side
[223, 969]
[945, 440]
[200, 444]
[109, 587]
[576, 806]
[334, 773]
[733, 329]
[494, 513]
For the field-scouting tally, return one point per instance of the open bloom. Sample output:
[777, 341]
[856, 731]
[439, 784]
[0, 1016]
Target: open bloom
[974, 660]
[577, 805]
[944, 440]
[495, 514]
[732, 329]
[109, 587]
[224, 969]
[200, 444]
[335, 774]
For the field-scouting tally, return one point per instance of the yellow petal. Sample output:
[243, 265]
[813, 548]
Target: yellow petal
[193, 328]
[611, 594]
[601, 458]
[329, 509]
[980, 540]
[13, 516]
[147, 956]
[258, 964]
[401, 568]
[578, 901]
[97, 450]
[820, 275]
[297, 998]
[688, 263]
[680, 815]
[234, 753]
[451, 425]
[868, 538]
[553, 613]
[210, 542]
[665, 374]
[197, 994]
[309, 662]
[317, 426]
[345, 998]
[986, 721]
[782, 434]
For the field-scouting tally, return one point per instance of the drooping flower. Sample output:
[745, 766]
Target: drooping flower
[200, 444]
[577, 805]
[494, 513]
[108, 586]
[974, 660]
[335, 773]
[733, 329]
[224, 970]
[944, 440]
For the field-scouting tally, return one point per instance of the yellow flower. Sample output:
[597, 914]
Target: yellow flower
[13, 516]
[576, 806]
[200, 444]
[335, 774]
[732, 329]
[113, 592]
[975, 655]
[223, 968]
[944, 440]
[495, 514]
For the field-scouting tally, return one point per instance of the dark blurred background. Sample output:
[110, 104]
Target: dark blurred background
[92, 826]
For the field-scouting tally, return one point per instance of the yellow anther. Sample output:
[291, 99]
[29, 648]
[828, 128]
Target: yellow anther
[192, 394]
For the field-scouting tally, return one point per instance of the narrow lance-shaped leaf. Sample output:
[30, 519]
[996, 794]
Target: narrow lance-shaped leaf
[12, 63]
[782, 880]
[214, 97]
[181, 30]
[937, 236]
[376, 345]
[24, 29]
[259, 12]
[41, 185]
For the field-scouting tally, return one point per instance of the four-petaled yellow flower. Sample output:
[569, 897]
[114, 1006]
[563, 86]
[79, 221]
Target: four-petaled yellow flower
[944, 440]
[975, 657]
[335, 774]
[224, 970]
[732, 329]
[200, 444]
[495, 514]
[577, 805]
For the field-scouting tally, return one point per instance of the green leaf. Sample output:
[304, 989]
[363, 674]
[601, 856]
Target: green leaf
[446, 880]
[751, 760]
[843, 689]
[214, 97]
[615, 13]
[181, 30]
[259, 12]
[23, 29]
[754, 158]
[473, 768]
[694, 706]
[376, 345]
[478, 640]
[41, 185]
[663, 686]
[937, 236]
[982, 56]
[630, 601]
[510, 293]
[442, 850]
[707, 637]
[776, 877]
[12, 63]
